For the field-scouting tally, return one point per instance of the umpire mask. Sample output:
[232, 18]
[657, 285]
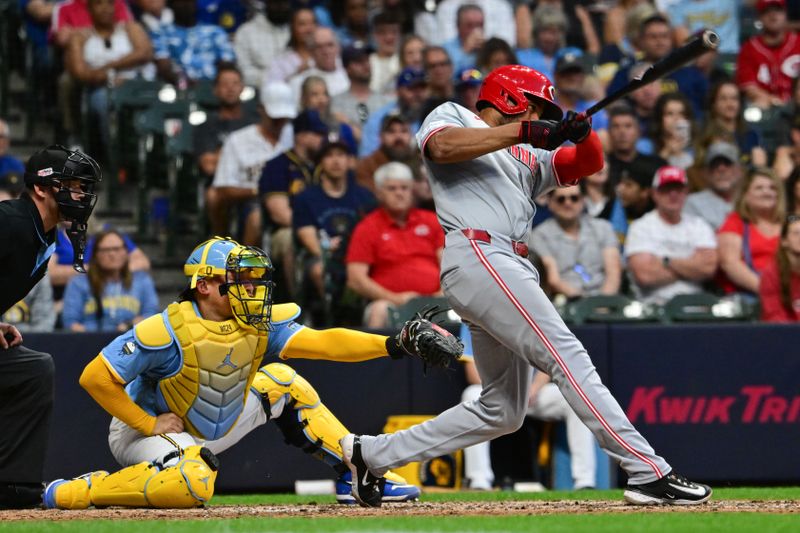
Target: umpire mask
[73, 176]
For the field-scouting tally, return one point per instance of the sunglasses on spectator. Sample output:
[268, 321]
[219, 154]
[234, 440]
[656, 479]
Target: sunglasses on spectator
[574, 198]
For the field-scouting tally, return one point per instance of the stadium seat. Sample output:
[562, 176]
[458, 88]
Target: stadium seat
[705, 307]
[608, 308]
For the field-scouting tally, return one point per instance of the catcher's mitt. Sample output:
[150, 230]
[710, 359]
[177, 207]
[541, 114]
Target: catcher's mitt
[436, 346]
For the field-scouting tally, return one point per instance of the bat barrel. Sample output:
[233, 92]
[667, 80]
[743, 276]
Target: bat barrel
[710, 40]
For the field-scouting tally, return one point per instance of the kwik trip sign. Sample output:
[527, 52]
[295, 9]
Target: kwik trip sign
[751, 404]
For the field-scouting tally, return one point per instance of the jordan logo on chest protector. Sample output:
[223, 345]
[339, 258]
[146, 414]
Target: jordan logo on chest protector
[227, 361]
[522, 155]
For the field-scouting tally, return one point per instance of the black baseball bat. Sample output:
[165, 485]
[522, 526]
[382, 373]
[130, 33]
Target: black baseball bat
[702, 42]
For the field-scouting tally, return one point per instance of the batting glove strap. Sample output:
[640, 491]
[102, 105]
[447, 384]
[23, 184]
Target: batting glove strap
[541, 133]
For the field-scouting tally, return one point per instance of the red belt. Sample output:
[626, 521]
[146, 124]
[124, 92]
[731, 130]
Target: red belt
[520, 248]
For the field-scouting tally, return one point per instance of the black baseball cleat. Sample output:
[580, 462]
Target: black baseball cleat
[367, 488]
[671, 489]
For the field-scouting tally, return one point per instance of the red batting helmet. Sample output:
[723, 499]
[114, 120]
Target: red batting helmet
[507, 88]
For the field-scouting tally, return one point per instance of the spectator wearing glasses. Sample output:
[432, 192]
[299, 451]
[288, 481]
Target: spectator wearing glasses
[110, 297]
[439, 71]
[779, 291]
[668, 252]
[359, 101]
[580, 253]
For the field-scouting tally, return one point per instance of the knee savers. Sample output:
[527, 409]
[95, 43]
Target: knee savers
[305, 421]
[189, 483]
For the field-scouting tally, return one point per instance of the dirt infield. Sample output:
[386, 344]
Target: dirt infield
[406, 509]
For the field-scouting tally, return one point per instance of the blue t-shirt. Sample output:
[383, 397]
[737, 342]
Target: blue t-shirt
[371, 133]
[535, 59]
[10, 163]
[337, 216]
[142, 368]
[227, 14]
[721, 16]
[120, 304]
[458, 56]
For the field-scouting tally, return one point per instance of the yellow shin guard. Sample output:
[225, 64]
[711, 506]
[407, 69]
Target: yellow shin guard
[305, 421]
[189, 483]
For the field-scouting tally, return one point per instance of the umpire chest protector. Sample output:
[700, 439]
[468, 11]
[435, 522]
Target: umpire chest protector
[219, 361]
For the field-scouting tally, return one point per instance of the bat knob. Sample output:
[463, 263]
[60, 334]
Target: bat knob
[580, 117]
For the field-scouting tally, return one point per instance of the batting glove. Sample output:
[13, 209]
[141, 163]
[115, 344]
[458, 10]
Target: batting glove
[544, 134]
[575, 128]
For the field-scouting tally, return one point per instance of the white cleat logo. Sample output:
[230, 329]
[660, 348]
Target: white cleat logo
[694, 491]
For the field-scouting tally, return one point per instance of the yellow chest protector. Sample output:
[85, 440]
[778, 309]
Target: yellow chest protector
[220, 360]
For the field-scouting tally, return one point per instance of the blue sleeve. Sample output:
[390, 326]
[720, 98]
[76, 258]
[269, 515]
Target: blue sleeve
[224, 47]
[160, 45]
[147, 294]
[130, 360]
[347, 137]
[129, 244]
[302, 211]
[370, 135]
[76, 294]
[274, 176]
[280, 336]
[64, 248]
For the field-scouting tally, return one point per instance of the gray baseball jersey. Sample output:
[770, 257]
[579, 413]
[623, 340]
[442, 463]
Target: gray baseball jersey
[494, 192]
[514, 326]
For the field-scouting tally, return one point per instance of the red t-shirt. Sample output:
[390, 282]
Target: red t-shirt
[771, 69]
[762, 248]
[75, 14]
[772, 308]
[400, 259]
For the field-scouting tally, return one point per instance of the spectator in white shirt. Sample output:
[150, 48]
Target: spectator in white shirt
[242, 158]
[261, 39]
[668, 252]
[327, 65]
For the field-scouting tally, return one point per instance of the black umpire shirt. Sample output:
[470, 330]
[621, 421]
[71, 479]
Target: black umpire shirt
[24, 250]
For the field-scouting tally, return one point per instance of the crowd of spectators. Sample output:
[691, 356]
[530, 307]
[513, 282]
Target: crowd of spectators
[322, 169]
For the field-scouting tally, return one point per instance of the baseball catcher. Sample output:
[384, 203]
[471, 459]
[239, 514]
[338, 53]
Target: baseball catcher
[190, 382]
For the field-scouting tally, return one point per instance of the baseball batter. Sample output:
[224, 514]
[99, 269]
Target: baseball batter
[188, 383]
[485, 172]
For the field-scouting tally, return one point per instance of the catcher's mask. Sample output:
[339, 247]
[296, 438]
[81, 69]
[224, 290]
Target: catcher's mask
[247, 271]
[73, 176]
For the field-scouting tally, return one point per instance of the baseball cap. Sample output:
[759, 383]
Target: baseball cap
[763, 5]
[669, 175]
[722, 149]
[468, 77]
[331, 142]
[357, 51]
[392, 118]
[411, 76]
[309, 121]
[278, 100]
[569, 58]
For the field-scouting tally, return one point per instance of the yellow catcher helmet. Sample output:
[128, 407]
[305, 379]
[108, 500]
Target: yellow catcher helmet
[247, 271]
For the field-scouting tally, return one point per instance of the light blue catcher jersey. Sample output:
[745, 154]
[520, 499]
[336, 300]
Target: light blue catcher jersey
[141, 368]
